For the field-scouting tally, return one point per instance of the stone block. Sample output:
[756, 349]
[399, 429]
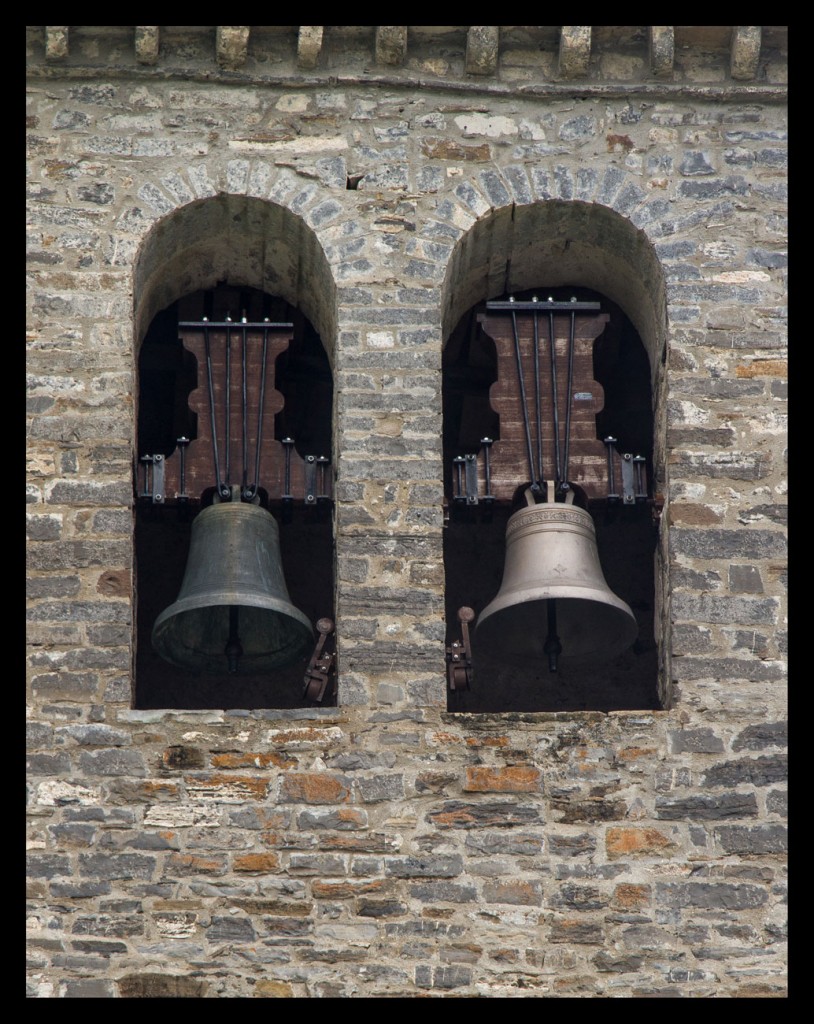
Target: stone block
[443, 892]
[315, 788]
[116, 866]
[459, 815]
[576, 932]
[517, 892]
[703, 741]
[510, 779]
[757, 771]
[424, 867]
[707, 808]
[710, 895]
[761, 735]
[637, 842]
[756, 840]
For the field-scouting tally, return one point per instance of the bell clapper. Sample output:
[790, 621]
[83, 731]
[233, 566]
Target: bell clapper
[234, 648]
[552, 646]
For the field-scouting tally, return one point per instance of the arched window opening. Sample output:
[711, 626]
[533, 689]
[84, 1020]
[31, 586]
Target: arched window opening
[210, 635]
[506, 399]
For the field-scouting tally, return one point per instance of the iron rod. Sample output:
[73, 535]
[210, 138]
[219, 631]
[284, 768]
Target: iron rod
[256, 483]
[538, 400]
[611, 443]
[245, 410]
[288, 442]
[522, 384]
[487, 465]
[228, 427]
[212, 421]
[570, 389]
[554, 397]
[182, 443]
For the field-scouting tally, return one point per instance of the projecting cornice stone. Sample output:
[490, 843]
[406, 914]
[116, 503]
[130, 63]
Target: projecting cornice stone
[147, 44]
[745, 51]
[232, 45]
[56, 42]
[482, 45]
[660, 59]
[662, 50]
[391, 44]
[575, 50]
[309, 46]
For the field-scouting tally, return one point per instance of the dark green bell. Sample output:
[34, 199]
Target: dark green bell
[233, 613]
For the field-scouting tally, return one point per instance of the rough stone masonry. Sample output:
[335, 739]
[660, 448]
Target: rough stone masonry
[384, 181]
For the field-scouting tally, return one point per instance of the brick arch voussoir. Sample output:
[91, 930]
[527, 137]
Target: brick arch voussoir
[193, 239]
[491, 202]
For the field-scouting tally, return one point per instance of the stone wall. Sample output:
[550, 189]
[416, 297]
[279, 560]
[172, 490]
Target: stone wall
[384, 181]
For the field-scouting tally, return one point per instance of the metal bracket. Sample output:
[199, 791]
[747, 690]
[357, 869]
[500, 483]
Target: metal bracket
[466, 472]
[322, 666]
[310, 479]
[471, 477]
[315, 477]
[634, 478]
[466, 479]
[459, 654]
[634, 487]
[458, 464]
[153, 478]
[628, 480]
[182, 443]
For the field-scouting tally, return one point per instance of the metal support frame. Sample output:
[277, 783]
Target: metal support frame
[561, 444]
[153, 486]
[317, 490]
[466, 476]
[633, 473]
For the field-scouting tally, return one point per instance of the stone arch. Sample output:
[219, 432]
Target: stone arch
[558, 241]
[572, 243]
[229, 241]
[255, 242]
